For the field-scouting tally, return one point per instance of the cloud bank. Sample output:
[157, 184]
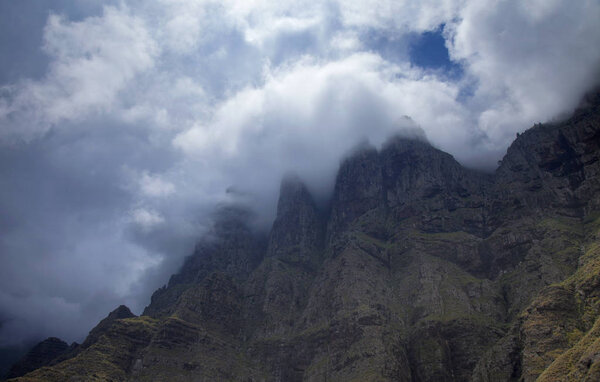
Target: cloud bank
[142, 115]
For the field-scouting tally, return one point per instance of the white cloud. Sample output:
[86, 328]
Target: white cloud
[531, 60]
[304, 118]
[398, 16]
[154, 186]
[91, 61]
[324, 108]
[146, 219]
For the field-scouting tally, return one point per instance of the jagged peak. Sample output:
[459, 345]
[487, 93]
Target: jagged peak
[292, 192]
[407, 140]
[121, 312]
[361, 150]
[291, 184]
[397, 144]
[231, 212]
[52, 340]
[366, 163]
[417, 146]
[291, 179]
[590, 102]
[408, 137]
[296, 231]
[229, 218]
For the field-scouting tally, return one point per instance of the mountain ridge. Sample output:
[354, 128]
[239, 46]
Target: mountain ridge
[419, 270]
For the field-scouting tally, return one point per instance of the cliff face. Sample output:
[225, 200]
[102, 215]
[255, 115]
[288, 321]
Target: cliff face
[419, 270]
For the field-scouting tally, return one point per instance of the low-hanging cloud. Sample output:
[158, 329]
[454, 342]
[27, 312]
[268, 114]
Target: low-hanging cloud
[149, 112]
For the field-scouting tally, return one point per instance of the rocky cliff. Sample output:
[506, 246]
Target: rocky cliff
[418, 270]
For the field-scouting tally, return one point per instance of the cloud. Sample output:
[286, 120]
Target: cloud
[112, 160]
[531, 60]
[91, 61]
[312, 112]
[146, 218]
[152, 185]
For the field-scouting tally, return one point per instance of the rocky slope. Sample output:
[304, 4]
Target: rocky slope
[418, 270]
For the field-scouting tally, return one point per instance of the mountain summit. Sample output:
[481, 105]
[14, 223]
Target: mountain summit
[418, 270]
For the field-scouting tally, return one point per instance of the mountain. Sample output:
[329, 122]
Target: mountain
[417, 270]
[40, 355]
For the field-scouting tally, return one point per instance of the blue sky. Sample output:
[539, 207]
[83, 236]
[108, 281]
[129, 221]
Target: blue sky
[122, 124]
[428, 50]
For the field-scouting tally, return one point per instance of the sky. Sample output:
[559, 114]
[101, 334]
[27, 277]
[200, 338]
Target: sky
[123, 124]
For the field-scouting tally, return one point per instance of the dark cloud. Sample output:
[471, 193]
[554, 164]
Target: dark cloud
[122, 126]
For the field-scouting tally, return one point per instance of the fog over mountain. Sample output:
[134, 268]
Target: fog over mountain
[124, 123]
